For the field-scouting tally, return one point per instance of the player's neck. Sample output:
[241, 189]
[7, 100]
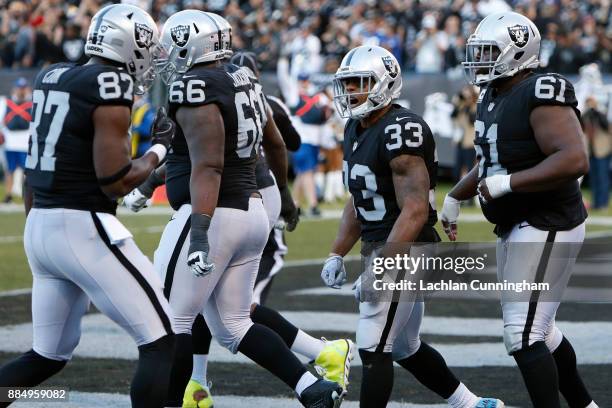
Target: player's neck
[372, 118]
[506, 84]
[103, 61]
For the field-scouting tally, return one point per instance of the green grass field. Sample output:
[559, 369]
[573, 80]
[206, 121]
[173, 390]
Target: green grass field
[312, 239]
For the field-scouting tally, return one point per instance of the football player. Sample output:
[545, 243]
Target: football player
[330, 357]
[390, 169]
[531, 152]
[210, 250]
[77, 165]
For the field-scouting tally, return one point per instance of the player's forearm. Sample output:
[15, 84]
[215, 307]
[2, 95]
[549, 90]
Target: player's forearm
[348, 232]
[467, 187]
[410, 222]
[137, 172]
[204, 189]
[557, 169]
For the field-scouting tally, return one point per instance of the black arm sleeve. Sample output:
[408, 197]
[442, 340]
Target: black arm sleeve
[283, 122]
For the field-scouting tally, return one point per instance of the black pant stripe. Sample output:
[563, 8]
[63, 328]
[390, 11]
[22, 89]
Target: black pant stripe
[390, 314]
[174, 258]
[135, 273]
[533, 300]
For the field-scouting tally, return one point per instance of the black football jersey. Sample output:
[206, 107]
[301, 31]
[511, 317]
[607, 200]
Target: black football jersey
[239, 98]
[368, 176]
[281, 116]
[505, 143]
[59, 164]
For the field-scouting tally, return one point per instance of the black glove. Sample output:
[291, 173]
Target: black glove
[197, 259]
[289, 211]
[162, 130]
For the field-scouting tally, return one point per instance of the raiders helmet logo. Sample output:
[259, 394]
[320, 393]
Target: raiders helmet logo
[390, 66]
[143, 35]
[180, 35]
[519, 34]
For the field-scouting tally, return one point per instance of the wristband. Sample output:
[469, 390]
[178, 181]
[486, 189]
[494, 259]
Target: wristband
[160, 150]
[151, 183]
[199, 227]
[498, 185]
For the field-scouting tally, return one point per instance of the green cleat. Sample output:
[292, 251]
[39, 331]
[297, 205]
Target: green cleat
[334, 362]
[197, 396]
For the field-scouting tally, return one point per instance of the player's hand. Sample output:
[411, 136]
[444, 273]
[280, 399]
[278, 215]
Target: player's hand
[162, 130]
[197, 259]
[289, 211]
[136, 200]
[494, 187]
[449, 215]
[334, 273]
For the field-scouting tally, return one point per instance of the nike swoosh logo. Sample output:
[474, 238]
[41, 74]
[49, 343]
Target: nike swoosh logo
[521, 225]
[189, 76]
[402, 118]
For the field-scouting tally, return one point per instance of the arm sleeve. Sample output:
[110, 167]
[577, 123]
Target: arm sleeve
[552, 90]
[405, 135]
[198, 90]
[109, 86]
[283, 122]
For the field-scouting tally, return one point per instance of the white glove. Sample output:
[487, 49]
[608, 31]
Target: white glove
[449, 215]
[334, 273]
[136, 201]
[498, 185]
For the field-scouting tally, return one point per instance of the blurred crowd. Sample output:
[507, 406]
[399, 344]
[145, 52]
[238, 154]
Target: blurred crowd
[425, 36]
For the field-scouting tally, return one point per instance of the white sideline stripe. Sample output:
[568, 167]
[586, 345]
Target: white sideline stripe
[101, 338]
[99, 400]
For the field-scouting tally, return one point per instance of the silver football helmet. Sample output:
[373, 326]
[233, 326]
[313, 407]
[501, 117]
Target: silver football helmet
[502, 45]
[226, 34]
[191, 37]
[380, 79]
[128, 35]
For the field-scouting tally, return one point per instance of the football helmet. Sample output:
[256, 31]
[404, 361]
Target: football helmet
[380, 79]
[502, 45]
[128, 35]
[191, 37]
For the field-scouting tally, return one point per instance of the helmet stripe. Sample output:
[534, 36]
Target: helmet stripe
[100, 18]
[349, 57]
[218, 30]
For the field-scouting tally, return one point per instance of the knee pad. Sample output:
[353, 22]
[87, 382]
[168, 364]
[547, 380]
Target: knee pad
[232, 333]
[553, 338]
[405, 348]
[516, 339]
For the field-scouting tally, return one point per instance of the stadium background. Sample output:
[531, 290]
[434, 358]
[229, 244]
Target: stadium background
[468, 331]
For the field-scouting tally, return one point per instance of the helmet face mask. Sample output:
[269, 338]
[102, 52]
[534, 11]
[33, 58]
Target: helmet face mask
[502, 45]
[352, 102]
[368, 79]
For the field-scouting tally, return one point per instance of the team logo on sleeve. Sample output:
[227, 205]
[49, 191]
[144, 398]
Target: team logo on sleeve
[519, 34]
[180, 35]
[143, 35]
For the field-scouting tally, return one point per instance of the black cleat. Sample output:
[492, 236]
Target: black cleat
[322, 394]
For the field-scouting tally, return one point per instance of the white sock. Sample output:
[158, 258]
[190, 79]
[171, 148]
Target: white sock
[307, 345]
[200, 364]
[592, 405]
[306, 381]
[462, 398]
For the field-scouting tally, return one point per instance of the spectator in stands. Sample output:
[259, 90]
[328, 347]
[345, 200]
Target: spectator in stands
[464, 115]
[431, 45]
[16, 116]
[597, 130]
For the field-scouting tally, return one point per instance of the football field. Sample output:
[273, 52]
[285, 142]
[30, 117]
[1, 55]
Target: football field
[467, 332]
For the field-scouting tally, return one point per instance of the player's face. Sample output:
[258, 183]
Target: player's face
[485, 53]
[357, 88]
